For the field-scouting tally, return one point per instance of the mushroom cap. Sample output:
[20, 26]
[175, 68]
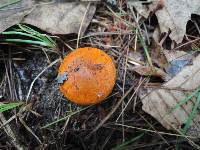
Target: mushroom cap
[91, 75]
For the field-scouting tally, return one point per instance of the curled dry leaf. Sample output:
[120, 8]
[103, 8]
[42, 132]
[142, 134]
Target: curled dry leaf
[150, 71]
[157, 55]
[54, 17]
[172, 15]
[159, 102]
[174, 55]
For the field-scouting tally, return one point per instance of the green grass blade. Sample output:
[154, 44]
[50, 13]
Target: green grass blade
[189, 120]
[33, 32]
[128, 142]
[195, 93]
[9, 3]
[64, 118]
[185, 100]
[37, 38]
[20, 33]
[28, 29]
[142, 41]
[50, 40]
[43, 37]
[5, 107]
[27, 41]
[192, 115]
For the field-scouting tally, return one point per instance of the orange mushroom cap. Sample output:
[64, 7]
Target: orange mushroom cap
[90, 76]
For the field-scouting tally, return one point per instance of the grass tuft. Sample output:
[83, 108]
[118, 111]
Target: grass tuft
[35, 37]
[195, 93]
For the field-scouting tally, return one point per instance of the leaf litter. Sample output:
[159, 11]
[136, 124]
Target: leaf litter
[159, 102]
[172, 15]
[178, 68]
[56, 17]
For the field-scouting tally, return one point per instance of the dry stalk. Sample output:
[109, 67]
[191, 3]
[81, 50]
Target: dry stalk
[111, 112]
[8, 130]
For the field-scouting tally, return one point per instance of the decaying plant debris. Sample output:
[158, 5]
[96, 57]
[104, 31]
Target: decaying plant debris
[172, 15]
[55, 17]
[154, 104]
[159, 102]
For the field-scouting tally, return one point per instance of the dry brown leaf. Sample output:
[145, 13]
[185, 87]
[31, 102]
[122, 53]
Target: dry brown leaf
[13, 14]
[173, 15]
[56, 18]
[150, 71]
[173, 55]
[158, 102]
[157, 55]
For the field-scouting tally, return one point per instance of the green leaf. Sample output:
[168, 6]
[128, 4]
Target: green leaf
[67, 116]
[192, 115]
[5, 107]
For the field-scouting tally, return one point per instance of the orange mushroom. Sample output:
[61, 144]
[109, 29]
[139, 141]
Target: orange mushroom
[88, 76]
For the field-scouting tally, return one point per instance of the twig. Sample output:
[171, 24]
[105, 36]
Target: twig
[28, 129]
[155, 130]
[10, 133]
[111, 112]
[31, 86]
[67, 45]
[81, 25]
[142, 40]
[136, 90]
[187, 43]
[152, 131]
[8, 121]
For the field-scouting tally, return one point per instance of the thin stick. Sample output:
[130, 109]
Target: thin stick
[136, 90]
[111, 112]
[187, 43]
[7, 128]
[28, 129]
[152, 131]
[31, 86]
[81, 25]
[155, 130]
[142, 39]
[7, 121]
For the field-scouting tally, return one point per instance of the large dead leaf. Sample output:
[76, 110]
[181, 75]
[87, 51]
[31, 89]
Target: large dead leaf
[159, 102]
[173, 15]
[13, 14]
[59, 17]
